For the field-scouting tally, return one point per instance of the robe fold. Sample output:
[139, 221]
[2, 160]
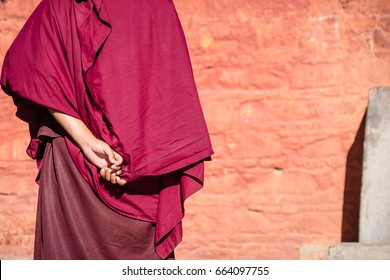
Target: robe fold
[123, 68]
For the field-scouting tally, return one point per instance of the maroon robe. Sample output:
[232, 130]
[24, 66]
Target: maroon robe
[123, 68]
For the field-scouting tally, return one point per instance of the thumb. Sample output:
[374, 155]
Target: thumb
[118, 159]
[110, 153]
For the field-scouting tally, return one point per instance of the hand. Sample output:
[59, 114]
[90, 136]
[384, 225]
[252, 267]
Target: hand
[100, 154]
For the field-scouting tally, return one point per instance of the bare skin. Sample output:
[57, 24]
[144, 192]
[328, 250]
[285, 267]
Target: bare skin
[98, 152]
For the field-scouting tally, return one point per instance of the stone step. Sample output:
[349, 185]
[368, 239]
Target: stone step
[359, 251]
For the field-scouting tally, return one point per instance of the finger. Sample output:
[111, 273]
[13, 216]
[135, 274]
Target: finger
[110, 153]
[113, 178]
[108, 174]
[118, 158]
[102, 173]
[120, 181]
[116, 167]
[118, 172]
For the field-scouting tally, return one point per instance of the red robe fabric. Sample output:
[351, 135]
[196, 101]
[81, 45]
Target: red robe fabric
[123, 68]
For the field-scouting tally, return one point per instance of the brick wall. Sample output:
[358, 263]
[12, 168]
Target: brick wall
[284, 89]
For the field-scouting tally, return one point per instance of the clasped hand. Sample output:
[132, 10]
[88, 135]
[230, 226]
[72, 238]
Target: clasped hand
[100, 154]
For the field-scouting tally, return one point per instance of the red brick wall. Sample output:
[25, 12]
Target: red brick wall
[284, 89]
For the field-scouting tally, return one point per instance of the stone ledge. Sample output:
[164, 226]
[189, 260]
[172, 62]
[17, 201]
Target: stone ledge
[308, 252]
[359, 251]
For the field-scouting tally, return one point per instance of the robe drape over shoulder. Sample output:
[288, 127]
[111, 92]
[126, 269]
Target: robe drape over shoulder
[123, 68]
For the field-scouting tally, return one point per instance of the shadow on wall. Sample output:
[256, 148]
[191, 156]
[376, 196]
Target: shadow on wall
[353, 186]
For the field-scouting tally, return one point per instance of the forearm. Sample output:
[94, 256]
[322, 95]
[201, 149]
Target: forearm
[76, 128]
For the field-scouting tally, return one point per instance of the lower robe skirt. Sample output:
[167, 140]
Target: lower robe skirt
[72, 223]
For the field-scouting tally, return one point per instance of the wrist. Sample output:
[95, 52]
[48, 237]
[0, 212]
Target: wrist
[85, 140]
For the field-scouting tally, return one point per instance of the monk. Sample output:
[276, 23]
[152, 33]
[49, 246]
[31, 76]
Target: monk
[116, 126]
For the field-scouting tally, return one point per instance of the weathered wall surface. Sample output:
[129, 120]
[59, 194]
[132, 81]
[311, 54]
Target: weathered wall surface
[18, 191]
[284, 89]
